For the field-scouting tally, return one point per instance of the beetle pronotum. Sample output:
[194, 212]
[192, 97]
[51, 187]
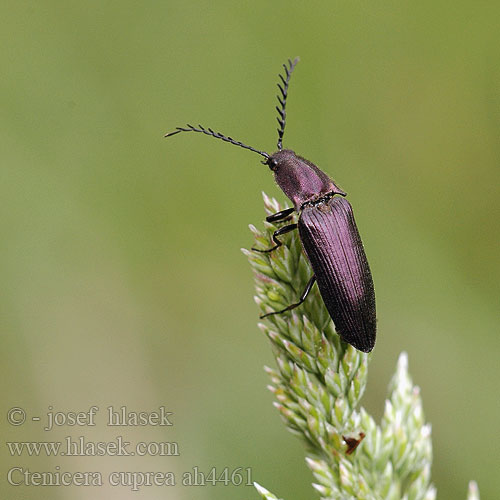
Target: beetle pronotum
[327, 230]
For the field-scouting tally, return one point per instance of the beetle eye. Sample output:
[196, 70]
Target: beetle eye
[272, 163]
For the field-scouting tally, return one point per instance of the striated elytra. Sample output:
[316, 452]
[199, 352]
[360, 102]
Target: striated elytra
[327, 230]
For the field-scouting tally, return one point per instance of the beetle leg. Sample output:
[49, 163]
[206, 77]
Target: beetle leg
[278, 232]
[281, 215]
[303, 297]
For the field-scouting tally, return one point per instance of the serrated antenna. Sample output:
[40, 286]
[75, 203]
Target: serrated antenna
[217, 135]
[283, 86]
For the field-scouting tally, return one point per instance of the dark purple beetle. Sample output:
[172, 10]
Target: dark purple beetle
[327, 231]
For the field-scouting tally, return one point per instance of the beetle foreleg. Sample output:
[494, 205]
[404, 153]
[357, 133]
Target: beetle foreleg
[278, 232]
[303, 297]
[281, 215]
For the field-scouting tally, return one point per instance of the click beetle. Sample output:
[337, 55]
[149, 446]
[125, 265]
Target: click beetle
[327, 230]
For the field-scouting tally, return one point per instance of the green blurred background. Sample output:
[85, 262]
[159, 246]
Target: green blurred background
[122, 279]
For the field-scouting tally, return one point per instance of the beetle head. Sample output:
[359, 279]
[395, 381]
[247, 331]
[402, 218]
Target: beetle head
[300, 179]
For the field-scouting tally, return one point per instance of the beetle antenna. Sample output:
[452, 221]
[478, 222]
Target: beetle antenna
[282, 100]
[217, 135]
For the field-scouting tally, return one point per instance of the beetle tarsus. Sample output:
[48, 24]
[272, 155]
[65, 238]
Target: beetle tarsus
[278, 232]
[303, 297]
